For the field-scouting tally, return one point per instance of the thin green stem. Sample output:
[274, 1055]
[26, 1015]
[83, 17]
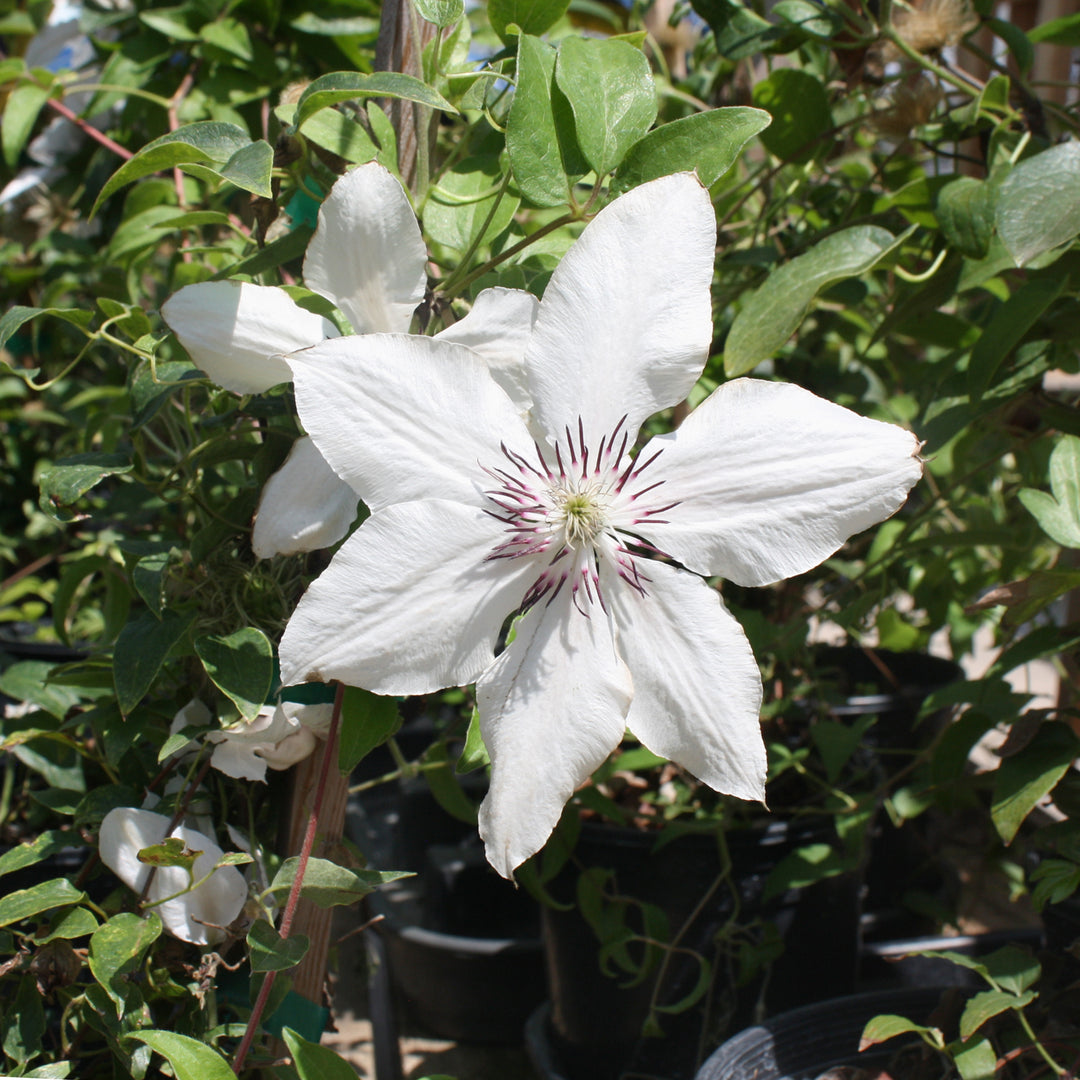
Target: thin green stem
[1059, 1070]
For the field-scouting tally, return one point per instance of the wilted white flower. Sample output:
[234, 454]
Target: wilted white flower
[277, 738]
[196, 916]
[477, 513]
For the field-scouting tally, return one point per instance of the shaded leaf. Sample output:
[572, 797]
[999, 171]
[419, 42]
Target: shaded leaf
[1059, 514]
[771, 314]
[1023, 779]
[328, 885]
[24, 1023]
[367, 721]
[988, 1004]
[70, 478]
[189, 1058]
[888, 1026]
[241, 666]
[270, 952]
[965, 211]
[142, 647]
[799, 107]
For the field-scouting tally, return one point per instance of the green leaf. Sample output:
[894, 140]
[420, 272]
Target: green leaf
[977, 1061]
[286, 248]
[530, 16]
[1008, 326]
[441, 12]
[986, 1005]
[816, 20]
[1038, 204]
[1012, 968]
[465, 201]
[33, 851]
[965, 211]
[28, 680]
[170, 852]
[14, 317]
[207, 143]
[71, 478]
[241, 666]
[888, 1026]
[142, 647]
[26, 903]
[341, 135]
[74, 922]
[1019, 43]
[116, 951]
[21, 111]
[708, 142]
[24, 1023]
[739, 30]
[803, 867]
[771, 314]
[189, 1058]
[316, 1062]
[367, 721]
[1059, 514]
[328, 885]
[269, 952]
[1024, 778]
[349, 86]
[540, 140]
[474, 754]
[799, 107]
[230, 36]
[349, 25]
[445, 785]
[249, 168]
[1063, 31]
[612, 95]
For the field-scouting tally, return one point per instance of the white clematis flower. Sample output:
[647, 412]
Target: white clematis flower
[277, 738]
[194, 916]
[368, 258]
[471, 520]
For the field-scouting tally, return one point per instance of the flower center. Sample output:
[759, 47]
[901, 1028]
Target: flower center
[576, 511]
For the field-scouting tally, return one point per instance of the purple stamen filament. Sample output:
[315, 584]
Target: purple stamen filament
[575, 513]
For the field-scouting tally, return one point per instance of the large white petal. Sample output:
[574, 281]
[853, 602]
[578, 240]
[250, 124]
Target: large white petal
[771, 480]
[126, 831]
[697, 689]
[367, 255]
[498, 328]
[626, 320]
[552, 707]
[402, 418]
[411, 603]
[304, 506]
[236, 331]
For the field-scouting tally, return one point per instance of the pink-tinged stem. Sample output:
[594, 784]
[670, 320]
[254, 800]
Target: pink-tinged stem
[329, 755]
[89, 129]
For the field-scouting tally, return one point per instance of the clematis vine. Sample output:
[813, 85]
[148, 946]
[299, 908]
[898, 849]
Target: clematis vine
[367, 257]
[197, 915]
[478, 512]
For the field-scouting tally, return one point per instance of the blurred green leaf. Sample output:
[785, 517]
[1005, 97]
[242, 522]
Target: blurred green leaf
[441, 12]
[21, 110]
[24, 1023]
[1058, 514]
[316, 1062]
[965, 211]
[800, 113]
[530, 16]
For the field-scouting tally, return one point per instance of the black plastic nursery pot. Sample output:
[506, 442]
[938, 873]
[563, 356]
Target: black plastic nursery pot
[807, 1043]
[461, 945]
[596, 1021]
